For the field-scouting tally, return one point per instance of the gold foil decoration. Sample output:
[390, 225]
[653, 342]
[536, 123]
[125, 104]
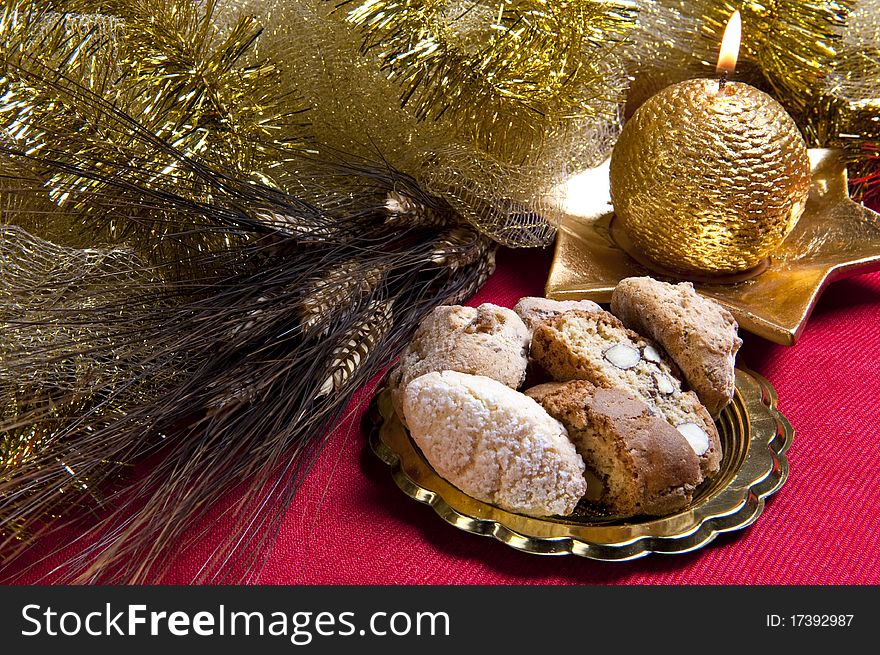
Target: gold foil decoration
[487, 105]
[787, 45]
[496, 66]
[848, 115]
[168, 66]
[65, 354]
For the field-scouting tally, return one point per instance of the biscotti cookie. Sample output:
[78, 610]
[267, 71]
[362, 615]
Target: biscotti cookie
[486, 340]
[540, 391]
[644, 465]
[698, 333]
[597, 347]
[533, 310]
[494, 443]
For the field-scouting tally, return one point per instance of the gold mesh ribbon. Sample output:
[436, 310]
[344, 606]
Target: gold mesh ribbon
[488, 104]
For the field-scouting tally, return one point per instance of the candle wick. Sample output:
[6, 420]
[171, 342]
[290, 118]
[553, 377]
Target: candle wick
[722, 81]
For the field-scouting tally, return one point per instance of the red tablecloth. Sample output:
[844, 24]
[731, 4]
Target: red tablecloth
[350, 524]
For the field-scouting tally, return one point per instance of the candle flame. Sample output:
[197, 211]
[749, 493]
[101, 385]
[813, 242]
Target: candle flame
[730, 45]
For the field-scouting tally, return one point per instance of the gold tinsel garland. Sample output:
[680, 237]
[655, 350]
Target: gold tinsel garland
[480, 101]
[786, 43]
[200, 338]
[791, 42]
[849, 115]
[163, 67]
[820, 60]
[491, 66]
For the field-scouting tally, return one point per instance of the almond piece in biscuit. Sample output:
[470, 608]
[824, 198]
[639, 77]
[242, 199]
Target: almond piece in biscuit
[597, 347]
[644, 464]
[699, 334]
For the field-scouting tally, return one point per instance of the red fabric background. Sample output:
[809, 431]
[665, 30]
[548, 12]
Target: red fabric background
[351, 524]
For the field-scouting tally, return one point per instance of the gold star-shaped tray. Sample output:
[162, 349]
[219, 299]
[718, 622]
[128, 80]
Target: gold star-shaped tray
[836, 237]
[754, 439]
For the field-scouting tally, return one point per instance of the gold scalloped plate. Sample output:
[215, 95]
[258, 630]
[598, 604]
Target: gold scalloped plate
[754, 436]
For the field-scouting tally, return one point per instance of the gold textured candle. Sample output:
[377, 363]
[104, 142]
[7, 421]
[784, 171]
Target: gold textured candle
[708, 177]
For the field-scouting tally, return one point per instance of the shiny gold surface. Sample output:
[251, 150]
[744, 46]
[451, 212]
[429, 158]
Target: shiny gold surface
[709, 181]
[754, 436]
[834, 238]
[485, 104]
